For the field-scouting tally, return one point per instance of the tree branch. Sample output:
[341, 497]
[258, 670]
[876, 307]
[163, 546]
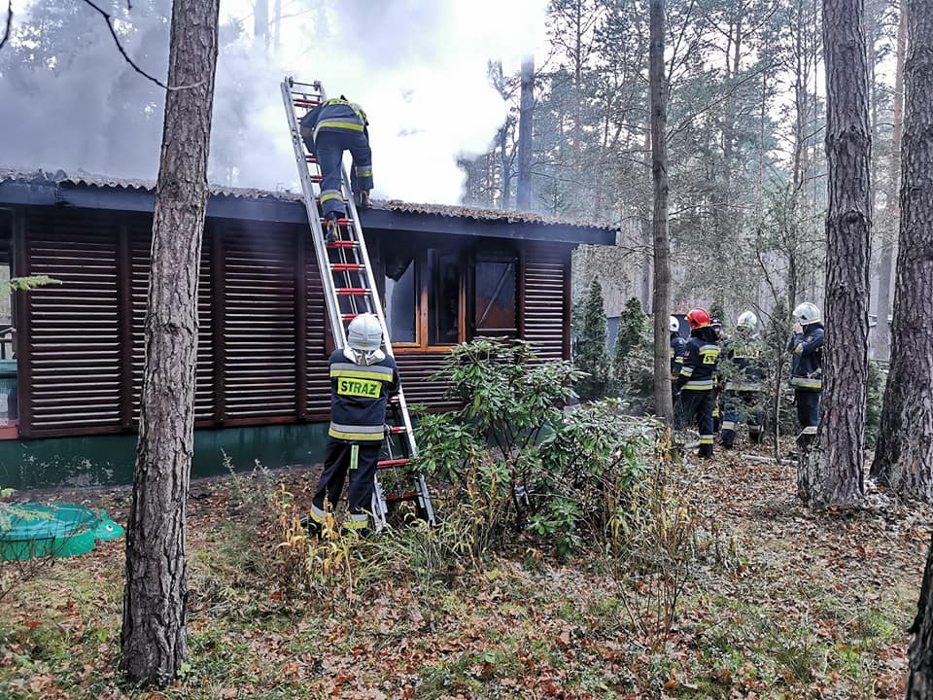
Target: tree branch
[9, 24]
[116, 40]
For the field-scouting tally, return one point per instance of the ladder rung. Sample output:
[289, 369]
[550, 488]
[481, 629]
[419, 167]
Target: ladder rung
[317, 179]
[349, 317]
[305, 102]
[389, 463]
[346, 267]
[396, 429]
[310, 159]
[410, 496]
[342, 244]
[352, 291]
[340, 222]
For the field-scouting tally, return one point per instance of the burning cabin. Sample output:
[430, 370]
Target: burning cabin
[71, 354]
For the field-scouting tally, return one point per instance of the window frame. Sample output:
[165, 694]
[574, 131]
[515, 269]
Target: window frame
[499, 255]
[422, 322]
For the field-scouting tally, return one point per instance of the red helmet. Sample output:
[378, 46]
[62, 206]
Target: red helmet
[698, 318]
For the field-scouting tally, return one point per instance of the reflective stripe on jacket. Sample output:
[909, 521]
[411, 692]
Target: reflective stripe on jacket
[807, 365]
[700, 359]
[334, 115]
[358, 397]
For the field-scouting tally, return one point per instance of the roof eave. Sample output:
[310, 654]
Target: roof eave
[267, 209]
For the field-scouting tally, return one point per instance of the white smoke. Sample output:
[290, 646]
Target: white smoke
[418, 68]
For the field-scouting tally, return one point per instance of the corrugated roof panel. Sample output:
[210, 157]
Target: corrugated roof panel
[83, 179]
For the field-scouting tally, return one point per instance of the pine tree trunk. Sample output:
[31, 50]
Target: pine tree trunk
[525, 138]
[154, 603]
[831, 472]
[920, 651]
[883, 329]
[662, 243]
[904, 457]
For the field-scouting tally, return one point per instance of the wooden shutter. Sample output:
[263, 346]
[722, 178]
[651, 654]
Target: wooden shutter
[259, 337]
[416, 370]
[317, 379]
[546, 312]
[140, 245]
[71, 359]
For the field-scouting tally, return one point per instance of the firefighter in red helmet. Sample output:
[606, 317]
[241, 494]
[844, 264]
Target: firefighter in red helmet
[696, 379]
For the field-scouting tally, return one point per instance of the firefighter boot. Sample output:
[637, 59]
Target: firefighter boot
[330, 228]
[365, 202]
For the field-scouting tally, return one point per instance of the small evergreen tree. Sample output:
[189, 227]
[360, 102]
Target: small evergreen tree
[592, 355]
[630, 335]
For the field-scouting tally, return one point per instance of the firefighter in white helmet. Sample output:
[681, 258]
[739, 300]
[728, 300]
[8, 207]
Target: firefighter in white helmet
[742, 398]
[362, 378]
[807, 369]
[678, 346]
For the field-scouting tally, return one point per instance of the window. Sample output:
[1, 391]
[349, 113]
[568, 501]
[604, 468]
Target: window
[444, 298]
[494, 298]
[401, 310]
[424, 297]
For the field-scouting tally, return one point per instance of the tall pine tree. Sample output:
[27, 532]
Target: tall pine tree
[592, 354]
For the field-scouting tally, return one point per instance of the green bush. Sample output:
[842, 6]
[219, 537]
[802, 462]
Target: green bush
[517, 460]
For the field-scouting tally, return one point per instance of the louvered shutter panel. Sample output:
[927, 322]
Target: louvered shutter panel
[260, 370]
[140, 241]
[73, 365]
[546, 274]
[318, 381]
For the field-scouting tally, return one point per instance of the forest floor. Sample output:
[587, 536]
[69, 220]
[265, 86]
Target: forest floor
[794, 604]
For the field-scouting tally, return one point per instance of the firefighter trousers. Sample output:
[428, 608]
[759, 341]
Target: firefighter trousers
[338, 461]
[695, 407]
[329, 147]
[808, 413]
[741, 407]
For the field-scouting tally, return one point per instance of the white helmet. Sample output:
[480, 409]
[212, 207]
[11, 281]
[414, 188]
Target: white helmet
[806, 313]
[747, 319]
[364, 333]
[675, 325]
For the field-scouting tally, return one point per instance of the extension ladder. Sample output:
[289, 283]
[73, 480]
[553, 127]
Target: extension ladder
[349, 290]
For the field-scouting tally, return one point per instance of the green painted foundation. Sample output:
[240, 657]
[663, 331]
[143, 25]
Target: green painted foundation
[108, 459]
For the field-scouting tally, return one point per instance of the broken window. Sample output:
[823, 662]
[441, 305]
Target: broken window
[444, 302]
[423, 295]
[400, 304]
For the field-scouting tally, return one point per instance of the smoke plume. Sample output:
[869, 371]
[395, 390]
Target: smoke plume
[419, 69]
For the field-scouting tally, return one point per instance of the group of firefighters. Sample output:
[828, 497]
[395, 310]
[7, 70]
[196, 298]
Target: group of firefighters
[363, 376]
[714, 400]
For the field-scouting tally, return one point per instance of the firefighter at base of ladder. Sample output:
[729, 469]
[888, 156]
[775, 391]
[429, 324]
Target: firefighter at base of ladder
[362, 378]
[743, 392]
[807, 369]
[678, 345]
[695, 381]
[328, 130]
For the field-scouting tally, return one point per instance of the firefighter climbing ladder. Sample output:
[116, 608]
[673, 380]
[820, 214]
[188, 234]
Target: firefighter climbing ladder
[349, 290]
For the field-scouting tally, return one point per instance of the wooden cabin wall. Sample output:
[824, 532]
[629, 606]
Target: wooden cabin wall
[262, 349]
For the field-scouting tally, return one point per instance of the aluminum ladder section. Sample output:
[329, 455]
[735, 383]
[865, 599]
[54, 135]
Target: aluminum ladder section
[349, 290]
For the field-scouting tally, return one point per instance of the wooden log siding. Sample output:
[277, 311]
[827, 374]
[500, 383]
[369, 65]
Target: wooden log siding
[82, 346]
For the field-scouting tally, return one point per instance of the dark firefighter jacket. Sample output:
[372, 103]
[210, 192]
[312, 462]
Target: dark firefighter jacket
[745, 356]
[678, 345]
[339, 115]
[358, 397]
[700, 358]
[807, 369]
